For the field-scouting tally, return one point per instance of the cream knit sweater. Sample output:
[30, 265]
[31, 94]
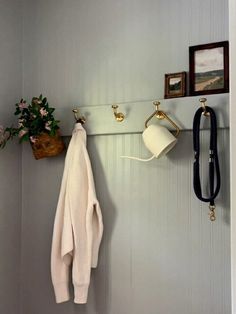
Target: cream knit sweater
[78, 224]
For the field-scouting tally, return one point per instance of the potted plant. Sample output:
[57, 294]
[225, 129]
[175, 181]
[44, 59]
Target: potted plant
[37, 125]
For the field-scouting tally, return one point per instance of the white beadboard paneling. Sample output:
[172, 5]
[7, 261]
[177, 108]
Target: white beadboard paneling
[159, 253]
[91, 53]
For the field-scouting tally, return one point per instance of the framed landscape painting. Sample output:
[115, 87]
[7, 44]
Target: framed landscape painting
[209, 68]
[175, 85]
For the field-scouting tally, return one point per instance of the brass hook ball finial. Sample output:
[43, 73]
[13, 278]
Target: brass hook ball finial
[203, 104]
[75, 111]
[159, 113]
[119, 116]
[156, 103]
[78, 119]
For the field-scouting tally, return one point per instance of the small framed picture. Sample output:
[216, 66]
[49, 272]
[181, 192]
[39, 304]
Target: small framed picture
[175, 85]
[209, 68]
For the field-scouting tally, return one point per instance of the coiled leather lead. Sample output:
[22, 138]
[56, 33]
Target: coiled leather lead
[214, 169]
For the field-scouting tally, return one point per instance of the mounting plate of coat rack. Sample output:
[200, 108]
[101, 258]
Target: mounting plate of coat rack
[100, 118]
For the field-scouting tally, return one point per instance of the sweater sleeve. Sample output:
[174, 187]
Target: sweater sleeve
[87, 255]
[87, 223]
[62, 241]
[97, 231]
[94, 216]
[78, 200]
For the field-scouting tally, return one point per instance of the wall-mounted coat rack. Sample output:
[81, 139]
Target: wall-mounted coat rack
[100, 119]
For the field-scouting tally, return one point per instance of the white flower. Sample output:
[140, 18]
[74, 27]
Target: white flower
[23, 105]
[43, 112]
[47, 125]
[22, 133]
[33, 139]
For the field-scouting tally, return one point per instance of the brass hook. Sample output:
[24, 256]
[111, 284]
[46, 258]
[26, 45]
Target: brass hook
[119, 116]
[162, 115]
[78, 119]
[203, 104]
[159, 114]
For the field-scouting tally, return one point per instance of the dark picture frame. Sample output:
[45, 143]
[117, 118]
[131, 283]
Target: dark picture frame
[175, 85]
[209, 68]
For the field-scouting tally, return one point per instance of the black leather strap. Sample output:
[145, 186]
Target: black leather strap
[214, 169]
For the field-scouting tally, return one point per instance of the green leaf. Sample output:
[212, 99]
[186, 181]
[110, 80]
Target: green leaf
[44, 101]
[17, 112]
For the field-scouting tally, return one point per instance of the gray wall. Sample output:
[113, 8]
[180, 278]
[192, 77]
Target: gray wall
[10, 157]
[160, 253]
[101, 52]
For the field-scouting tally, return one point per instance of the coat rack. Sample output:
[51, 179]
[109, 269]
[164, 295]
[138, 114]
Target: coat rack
[100, 119]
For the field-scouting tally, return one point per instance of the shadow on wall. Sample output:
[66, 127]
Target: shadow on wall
[224, 195]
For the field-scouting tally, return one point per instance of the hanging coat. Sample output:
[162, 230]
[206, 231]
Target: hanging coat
[78, 225]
